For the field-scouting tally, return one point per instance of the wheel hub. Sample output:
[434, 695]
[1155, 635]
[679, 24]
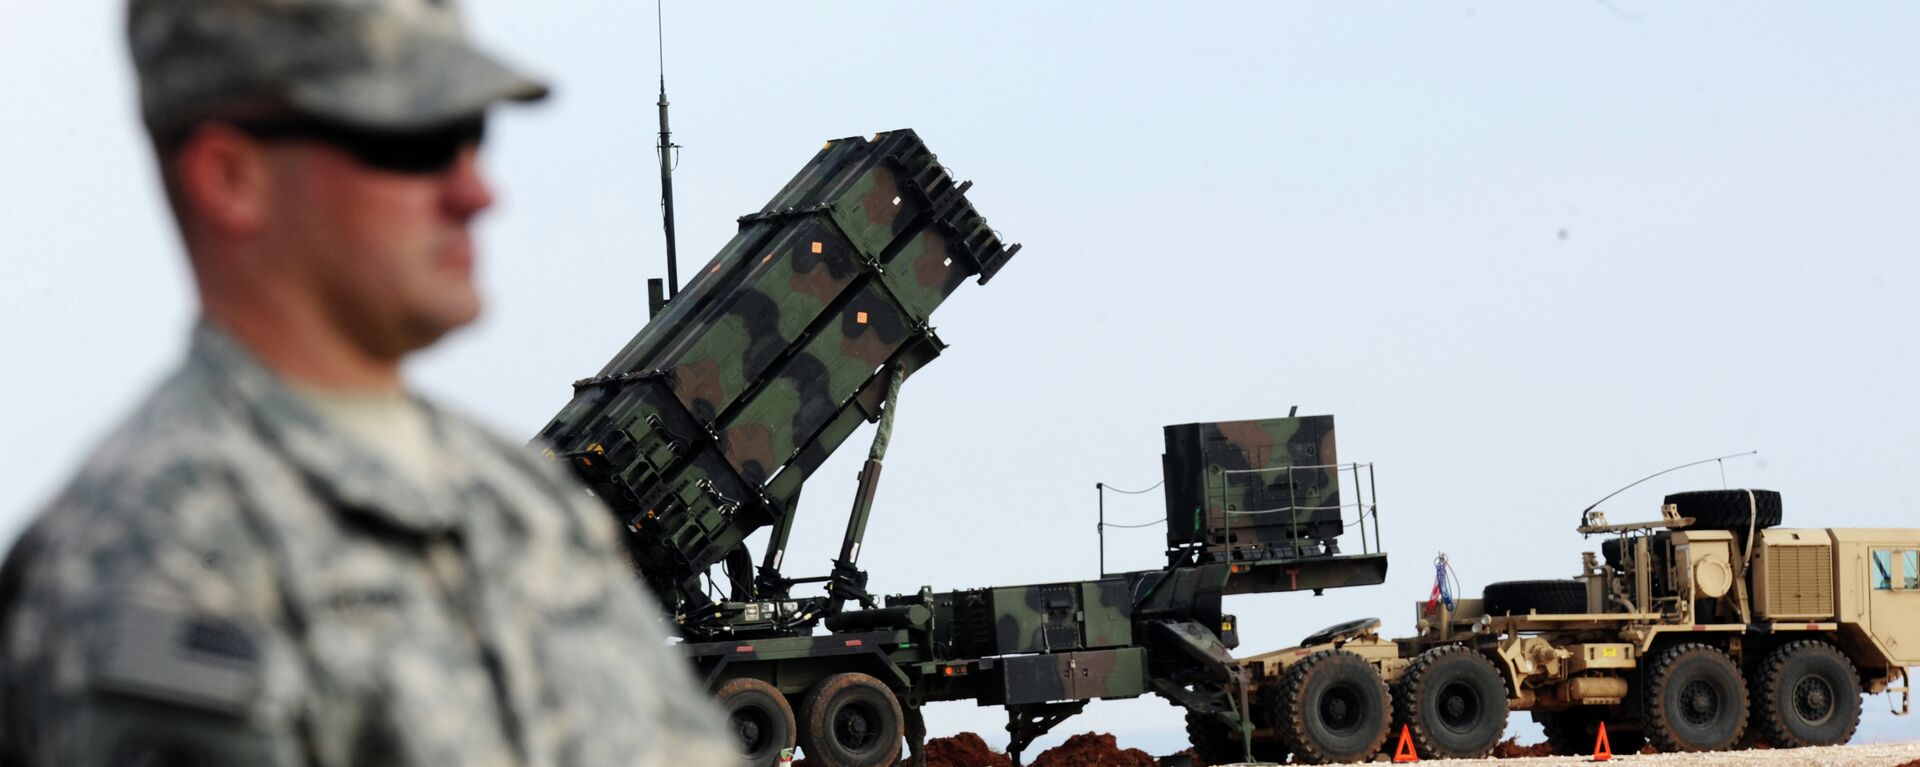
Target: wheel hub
[1813, 699]
[1699, 703]
[1459, 707]
[853, 727]
[749, 728]
[1340, 710]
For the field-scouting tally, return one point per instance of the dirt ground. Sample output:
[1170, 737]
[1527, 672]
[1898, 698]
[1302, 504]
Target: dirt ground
[1091, 749]
[1880, 755]
[1099, 750]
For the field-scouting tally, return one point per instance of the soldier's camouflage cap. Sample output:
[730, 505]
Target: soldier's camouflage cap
[378, 64]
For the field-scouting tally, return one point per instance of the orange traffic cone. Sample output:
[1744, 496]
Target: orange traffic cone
[1602, 748]
[1404, 753]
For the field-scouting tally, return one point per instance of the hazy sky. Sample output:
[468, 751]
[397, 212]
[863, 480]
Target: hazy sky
[1526, 251]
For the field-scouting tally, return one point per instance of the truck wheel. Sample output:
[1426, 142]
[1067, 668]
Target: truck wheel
[1555, 597]
[1693, 700]
[760, 718]
[1454, 701]
[1729, 509]
[1214, 743]
[1575, 732]
[851, 720]
[1806, 694]
[1333, 708]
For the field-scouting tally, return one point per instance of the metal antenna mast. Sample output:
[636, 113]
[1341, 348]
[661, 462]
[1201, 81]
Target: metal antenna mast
[666, 159]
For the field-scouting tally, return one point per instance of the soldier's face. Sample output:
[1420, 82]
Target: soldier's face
[388, 254]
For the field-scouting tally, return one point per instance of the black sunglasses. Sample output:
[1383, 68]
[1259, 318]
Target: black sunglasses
[432, 150]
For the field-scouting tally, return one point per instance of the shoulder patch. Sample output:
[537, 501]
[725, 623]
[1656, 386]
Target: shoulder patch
[178, 658]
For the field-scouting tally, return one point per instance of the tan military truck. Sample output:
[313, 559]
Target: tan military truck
[1708, 629]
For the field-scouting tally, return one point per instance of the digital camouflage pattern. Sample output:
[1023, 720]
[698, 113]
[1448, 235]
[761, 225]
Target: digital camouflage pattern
[233, 581]
[703, 429]
[1253, 489]
[388, 64]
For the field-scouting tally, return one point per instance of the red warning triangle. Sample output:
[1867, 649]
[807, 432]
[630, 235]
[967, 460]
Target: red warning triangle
[1602, 748]
[1404, 752]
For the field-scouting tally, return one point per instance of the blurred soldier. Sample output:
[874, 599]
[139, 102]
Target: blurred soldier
[283, 557]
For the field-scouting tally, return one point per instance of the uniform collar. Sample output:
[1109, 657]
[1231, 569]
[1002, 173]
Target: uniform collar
[334, 464]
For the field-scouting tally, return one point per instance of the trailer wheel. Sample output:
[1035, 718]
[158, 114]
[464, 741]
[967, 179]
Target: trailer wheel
[1554, 597]
[851, 720]
[1333, 708]
[1212, 741]
[1729, 509]
[1455, 702]
[1215, 743]
[760, 718]
[1693, 699]
[1806, 694]
[1575, 731]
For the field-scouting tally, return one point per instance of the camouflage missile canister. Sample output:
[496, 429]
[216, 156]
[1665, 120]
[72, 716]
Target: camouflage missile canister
[1244, 490]
[704, 427]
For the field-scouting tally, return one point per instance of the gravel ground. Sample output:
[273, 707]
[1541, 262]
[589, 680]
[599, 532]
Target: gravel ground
[1878, 755]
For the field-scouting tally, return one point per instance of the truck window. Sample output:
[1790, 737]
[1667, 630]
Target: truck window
[1883, 570]
[1910, 569]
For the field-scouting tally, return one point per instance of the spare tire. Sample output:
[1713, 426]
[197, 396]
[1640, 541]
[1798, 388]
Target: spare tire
[1729, 509]
[1610, 551]
[1555, 597]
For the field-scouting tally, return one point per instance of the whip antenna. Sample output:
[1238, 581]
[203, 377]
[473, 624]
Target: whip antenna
[1583, 512]
[666, 150]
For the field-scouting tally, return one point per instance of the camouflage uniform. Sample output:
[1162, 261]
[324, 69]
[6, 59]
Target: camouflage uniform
[232, 581]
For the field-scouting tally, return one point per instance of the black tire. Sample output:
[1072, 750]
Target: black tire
[1729, 509]
[759, 716]
[851, 720]
[1454, 701]
[1333, 708]
[1610, 551]
[1215, 743]
[1806, 694]
[1556, 597]
[1212, 741]
[1576, 731]
[1693, 699]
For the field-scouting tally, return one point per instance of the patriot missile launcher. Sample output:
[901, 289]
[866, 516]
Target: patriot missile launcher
[704, 428]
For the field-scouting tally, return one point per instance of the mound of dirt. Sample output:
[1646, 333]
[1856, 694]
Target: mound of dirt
[964, 750]
[1511, 749]
[1093, 749]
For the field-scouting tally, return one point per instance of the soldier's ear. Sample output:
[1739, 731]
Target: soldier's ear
[223, 181]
